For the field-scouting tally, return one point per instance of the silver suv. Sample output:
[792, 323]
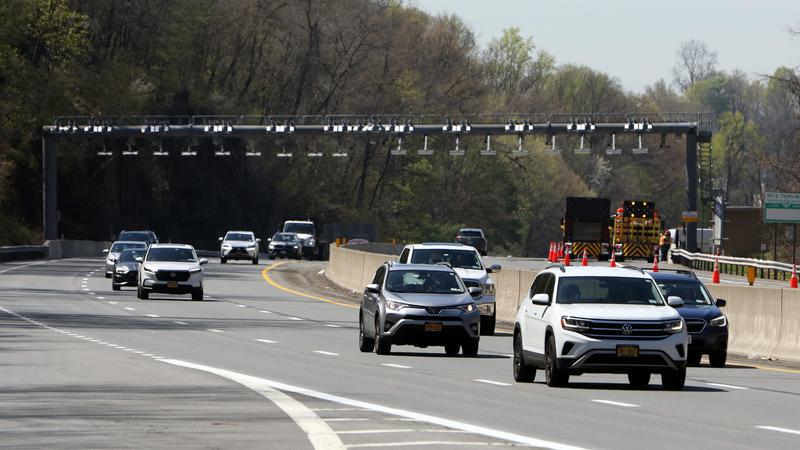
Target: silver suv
[468, 265]
[420, 305]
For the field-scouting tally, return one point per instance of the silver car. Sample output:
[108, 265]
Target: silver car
[420, 305]
[112, 253]
[239, 245]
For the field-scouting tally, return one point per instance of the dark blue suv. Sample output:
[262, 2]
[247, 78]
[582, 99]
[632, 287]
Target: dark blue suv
[707, 325]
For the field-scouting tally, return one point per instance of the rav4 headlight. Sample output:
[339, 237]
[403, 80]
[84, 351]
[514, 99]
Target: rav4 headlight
[469, 307]
[395, 306]
[577, 325]
[720, 321]
[674, 326]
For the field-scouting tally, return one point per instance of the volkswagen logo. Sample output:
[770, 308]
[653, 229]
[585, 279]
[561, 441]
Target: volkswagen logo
[172, 274]
[433, 310]
[627, 329]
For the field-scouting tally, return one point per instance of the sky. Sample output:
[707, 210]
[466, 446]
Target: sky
[636, 41]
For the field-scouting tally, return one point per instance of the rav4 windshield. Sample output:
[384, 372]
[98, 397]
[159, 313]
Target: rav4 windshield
[463, 259]
[171, 254]
[608, 290]
[423, 282]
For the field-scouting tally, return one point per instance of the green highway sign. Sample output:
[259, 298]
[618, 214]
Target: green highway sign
[782, 207]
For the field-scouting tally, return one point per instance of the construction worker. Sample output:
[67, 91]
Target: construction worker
[664, 243]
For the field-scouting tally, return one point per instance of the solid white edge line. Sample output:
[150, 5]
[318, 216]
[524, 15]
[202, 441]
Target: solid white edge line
[318, 432]
[610, 402]
[264, 311]
[332, 325]
[729, 386]
[781, 430]
[496, 383]
[294, 318]
[23, 266]
[179, 322]
[215, 330]
[401, 413]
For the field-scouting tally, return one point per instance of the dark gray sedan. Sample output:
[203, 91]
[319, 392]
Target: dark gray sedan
[420, 305]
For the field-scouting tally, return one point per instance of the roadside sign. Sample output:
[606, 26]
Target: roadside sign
[782, 207]
[689, 216]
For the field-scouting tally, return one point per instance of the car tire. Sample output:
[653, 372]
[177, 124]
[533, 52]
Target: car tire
[255, 261]
[693, 360]
[142, 294]
[718, 358]
[674, 380]
[115, 287]
[488, 324]
[639, 379]
[523, 373]
[108, 275]
[223, 260]
[382, 345]
[470, 348]
[365, 344]
[197, 294]
[451, 349]
[553, 375]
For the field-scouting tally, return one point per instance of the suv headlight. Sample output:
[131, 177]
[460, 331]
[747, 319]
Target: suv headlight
[148, 269]
[226, 246]
[488, 289]
[394, 306]
[674, 326]
[124, 269]
[469, 307]
[311, 242]
[720, 321]
[271, 245]
[577, 325]
[195, 270]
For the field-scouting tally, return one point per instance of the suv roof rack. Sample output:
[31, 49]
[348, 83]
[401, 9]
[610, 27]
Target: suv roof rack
[556, 266]
[687, 272]
[629, 267]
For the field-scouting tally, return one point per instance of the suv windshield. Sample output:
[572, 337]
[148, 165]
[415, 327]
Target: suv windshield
[285, 237]
[247, 237]
[692, 292]
[171, 254]
[470, 233]
[608, 290]
[295, 227]
[464, 259]
[423, 282]
[120, 246]
[140, 236]
[130, 255]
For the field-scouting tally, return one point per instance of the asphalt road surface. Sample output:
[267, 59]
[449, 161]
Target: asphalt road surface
[256, 365]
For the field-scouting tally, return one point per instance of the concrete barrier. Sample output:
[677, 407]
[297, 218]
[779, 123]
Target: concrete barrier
[67, 248]
[788, 347]
[754, 318]
[353, 269]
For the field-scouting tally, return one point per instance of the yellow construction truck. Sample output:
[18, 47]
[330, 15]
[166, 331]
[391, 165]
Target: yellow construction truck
[636, 230]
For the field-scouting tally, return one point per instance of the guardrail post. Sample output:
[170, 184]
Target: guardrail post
[49, 188]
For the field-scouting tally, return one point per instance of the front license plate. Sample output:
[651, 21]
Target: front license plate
[628, 351]
[172, 284]
[433, 327]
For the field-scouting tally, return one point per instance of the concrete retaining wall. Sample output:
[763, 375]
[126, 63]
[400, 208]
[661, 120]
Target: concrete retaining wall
[65, 248]
[764, 322]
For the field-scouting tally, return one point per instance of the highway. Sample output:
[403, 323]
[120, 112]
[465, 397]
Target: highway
[268, 362]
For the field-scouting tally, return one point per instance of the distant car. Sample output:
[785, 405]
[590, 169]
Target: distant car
[126, 268]
[306, 231]
[285, 245]
[357, 241]
[705, 322]
[239, 245]
[473, 237]
[421, 305]
[146, 236]
[171, 269]
[116, 248]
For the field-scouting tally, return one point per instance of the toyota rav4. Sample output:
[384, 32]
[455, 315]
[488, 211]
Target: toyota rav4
[577, 320]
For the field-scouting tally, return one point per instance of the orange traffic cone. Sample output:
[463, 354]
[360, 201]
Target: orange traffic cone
[585, 259]
[793, 280]
[715, 276]
[550, 253]
[655, 264]
[566, 259]
[560, 251]
[613, 259]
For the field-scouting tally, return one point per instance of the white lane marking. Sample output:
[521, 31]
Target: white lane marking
[266, 341]
[179, 322]
[130, 349]
[332, 325]
[401, 413]
[729, 386]
[419, 444]
[242, 306]
[85, 279]
[92, 293]
[319, 433]
[398, 366]
[77, 336]
[265, 312]
[22, 266]
[112, 303]
[323, 352]
[496, 383]
[401, 419]
[215, 330]
[138, 352]
[609, 402]
[147, 354]
[86, 289]
[388, 430]
[129, 308]
[782, 430]
[294, 318]
[152, 315]
[346, 419]
[101, 298]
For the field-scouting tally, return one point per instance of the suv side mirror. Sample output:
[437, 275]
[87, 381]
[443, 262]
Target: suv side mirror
[475, 291]
[139, 259]
[220, 239]
[373, 289]
[675, 302]
[202, 261]
[493, 268]
[269, 239]
[721, 302]
[258, 239]
[541, 299]
[105, 251]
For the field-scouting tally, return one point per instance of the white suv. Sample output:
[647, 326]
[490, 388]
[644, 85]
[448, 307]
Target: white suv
[466, 261]
[239, 245]
[171, 269]
[577, 320]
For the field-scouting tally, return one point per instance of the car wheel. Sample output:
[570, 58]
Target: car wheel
[197, 294]
[470, 348]
[639, 379]
[255, 261]
[108, 275]
[451, 349]
[114, 287]
[223, 260]
[523, 373]
[365, 344]
[694, 358]
[488, 324]
[144, 295]
[553, 375]
[674, 380]
[382, 345]
[718, 358]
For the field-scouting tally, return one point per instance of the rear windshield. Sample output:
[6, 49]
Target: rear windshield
[464, 259]
[692, 292]
[171, 254]
[130, 255]
[134, 236]
[423, 282]
[608, 290]
[470, 233]
[120, 246]
[247, 237]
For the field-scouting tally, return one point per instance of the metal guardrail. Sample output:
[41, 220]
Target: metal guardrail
[731, 265]
[19, 252]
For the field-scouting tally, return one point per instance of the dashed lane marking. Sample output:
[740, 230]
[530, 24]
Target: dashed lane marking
[264, 311]
[728, 386]
[266, 341]
[179, 322]
[129, 308]
[396, 366]
[496, 383]
[332, 325]
[268, 279]
[387, 430]
[778, 429]
[613, 403]
[323, 352]
[215, 330]
[152, 315]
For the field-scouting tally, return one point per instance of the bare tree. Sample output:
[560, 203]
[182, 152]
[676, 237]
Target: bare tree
[696, 62]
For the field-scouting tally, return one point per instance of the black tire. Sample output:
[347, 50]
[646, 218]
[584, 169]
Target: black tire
[639, 379]
[108, 275]
[142, 294]
[255, 261]
[718, 358]
[223, 260]
[470, 348]
[693, 360]
[197, 294]
[365, 344]
[382, 345]
[488, 325]
[523, 373]
[114, 287]
[674, 380]
[451, 349]
[553, 375]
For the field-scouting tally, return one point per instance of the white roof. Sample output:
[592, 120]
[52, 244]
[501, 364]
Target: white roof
[599, 271]
[172, 246]
[239, 231]
[441, 245]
